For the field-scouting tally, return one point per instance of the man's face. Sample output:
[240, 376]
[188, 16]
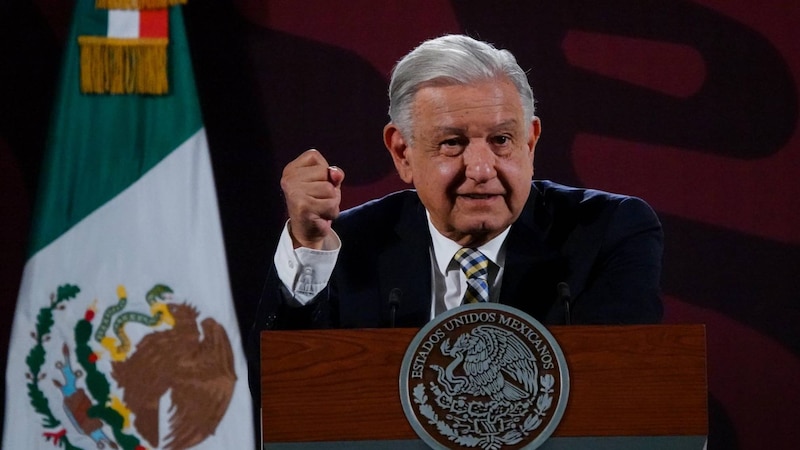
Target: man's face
[471, 159]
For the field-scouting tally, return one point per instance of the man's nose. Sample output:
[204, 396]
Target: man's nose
[479, 161]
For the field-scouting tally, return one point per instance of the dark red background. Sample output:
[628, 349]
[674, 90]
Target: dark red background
[692, 105]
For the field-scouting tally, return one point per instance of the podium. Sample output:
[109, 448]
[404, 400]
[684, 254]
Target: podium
[631, 386]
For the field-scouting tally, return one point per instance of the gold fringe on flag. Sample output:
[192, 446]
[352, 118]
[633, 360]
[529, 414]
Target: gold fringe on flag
[123, 66]
[136, 4]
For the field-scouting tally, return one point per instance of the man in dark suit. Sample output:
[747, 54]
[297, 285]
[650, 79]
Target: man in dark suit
[463, 133]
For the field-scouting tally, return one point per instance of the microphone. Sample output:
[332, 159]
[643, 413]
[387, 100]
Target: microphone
[394, 303]
[564, 297]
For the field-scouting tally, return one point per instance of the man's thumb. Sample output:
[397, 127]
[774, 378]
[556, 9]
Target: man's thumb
[335, 176]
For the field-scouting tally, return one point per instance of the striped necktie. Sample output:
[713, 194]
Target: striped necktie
[476, 267]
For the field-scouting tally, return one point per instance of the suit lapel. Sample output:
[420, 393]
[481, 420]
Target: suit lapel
[405, 264]
[533, 266]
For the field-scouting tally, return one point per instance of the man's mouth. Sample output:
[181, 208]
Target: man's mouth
[478, 196]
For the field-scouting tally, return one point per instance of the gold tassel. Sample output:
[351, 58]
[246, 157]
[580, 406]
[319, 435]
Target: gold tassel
[123, 66]
[136, 4]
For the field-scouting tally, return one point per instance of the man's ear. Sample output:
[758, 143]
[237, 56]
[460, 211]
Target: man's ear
[534, 133]
[397, 147]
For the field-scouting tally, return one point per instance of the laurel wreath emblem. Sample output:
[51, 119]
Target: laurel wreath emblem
[96, 382]
[487, 440]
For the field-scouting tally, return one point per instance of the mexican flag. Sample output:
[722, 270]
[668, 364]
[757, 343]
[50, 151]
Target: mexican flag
[125, 335]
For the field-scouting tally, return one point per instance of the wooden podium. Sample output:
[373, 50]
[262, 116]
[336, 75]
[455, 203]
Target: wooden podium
[630, 387]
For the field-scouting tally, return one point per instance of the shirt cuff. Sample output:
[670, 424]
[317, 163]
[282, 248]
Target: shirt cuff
[304, 271]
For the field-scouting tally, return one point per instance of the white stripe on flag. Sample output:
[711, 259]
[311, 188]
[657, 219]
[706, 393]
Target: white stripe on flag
[123, 23]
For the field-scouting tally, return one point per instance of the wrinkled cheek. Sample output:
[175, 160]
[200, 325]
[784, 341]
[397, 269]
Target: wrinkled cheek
[449, 176]
[449, 171]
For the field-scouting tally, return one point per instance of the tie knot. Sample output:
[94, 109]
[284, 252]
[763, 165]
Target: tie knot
[473, 263]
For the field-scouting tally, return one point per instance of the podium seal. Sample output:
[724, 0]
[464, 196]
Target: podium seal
[484, 376]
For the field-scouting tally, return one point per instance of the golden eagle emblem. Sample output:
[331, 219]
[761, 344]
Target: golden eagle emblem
[195, 370]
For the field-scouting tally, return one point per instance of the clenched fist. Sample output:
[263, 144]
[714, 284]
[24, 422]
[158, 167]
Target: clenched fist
[313, 194]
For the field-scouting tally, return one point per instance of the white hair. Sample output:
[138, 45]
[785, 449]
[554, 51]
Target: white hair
[451, 60]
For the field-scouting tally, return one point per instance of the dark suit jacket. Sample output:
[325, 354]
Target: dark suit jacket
[606, 247]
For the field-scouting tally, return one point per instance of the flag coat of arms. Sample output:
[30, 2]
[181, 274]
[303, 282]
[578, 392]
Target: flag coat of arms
[125, 334]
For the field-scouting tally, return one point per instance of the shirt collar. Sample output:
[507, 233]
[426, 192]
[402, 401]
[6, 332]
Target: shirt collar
[444, 248]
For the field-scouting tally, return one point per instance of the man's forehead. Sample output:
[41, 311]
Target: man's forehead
[505, 125]
[455, 98]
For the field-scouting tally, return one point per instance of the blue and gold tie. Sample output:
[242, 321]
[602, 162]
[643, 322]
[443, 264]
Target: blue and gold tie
[476, 267]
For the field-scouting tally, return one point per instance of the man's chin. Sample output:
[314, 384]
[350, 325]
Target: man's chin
[482, 231]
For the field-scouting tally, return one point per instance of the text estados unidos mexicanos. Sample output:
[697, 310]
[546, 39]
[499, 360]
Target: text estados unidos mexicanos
[546, 358]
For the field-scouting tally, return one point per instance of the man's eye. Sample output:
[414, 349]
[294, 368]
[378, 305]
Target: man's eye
[501, 140]
[451, 143]
[452, 147]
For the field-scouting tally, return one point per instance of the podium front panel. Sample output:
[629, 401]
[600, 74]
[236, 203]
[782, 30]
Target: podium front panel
[628, 383]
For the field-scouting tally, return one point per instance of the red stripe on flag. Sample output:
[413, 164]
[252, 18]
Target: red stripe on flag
[153, 23]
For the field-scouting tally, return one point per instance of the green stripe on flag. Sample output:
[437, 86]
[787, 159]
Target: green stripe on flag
[101, 144]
